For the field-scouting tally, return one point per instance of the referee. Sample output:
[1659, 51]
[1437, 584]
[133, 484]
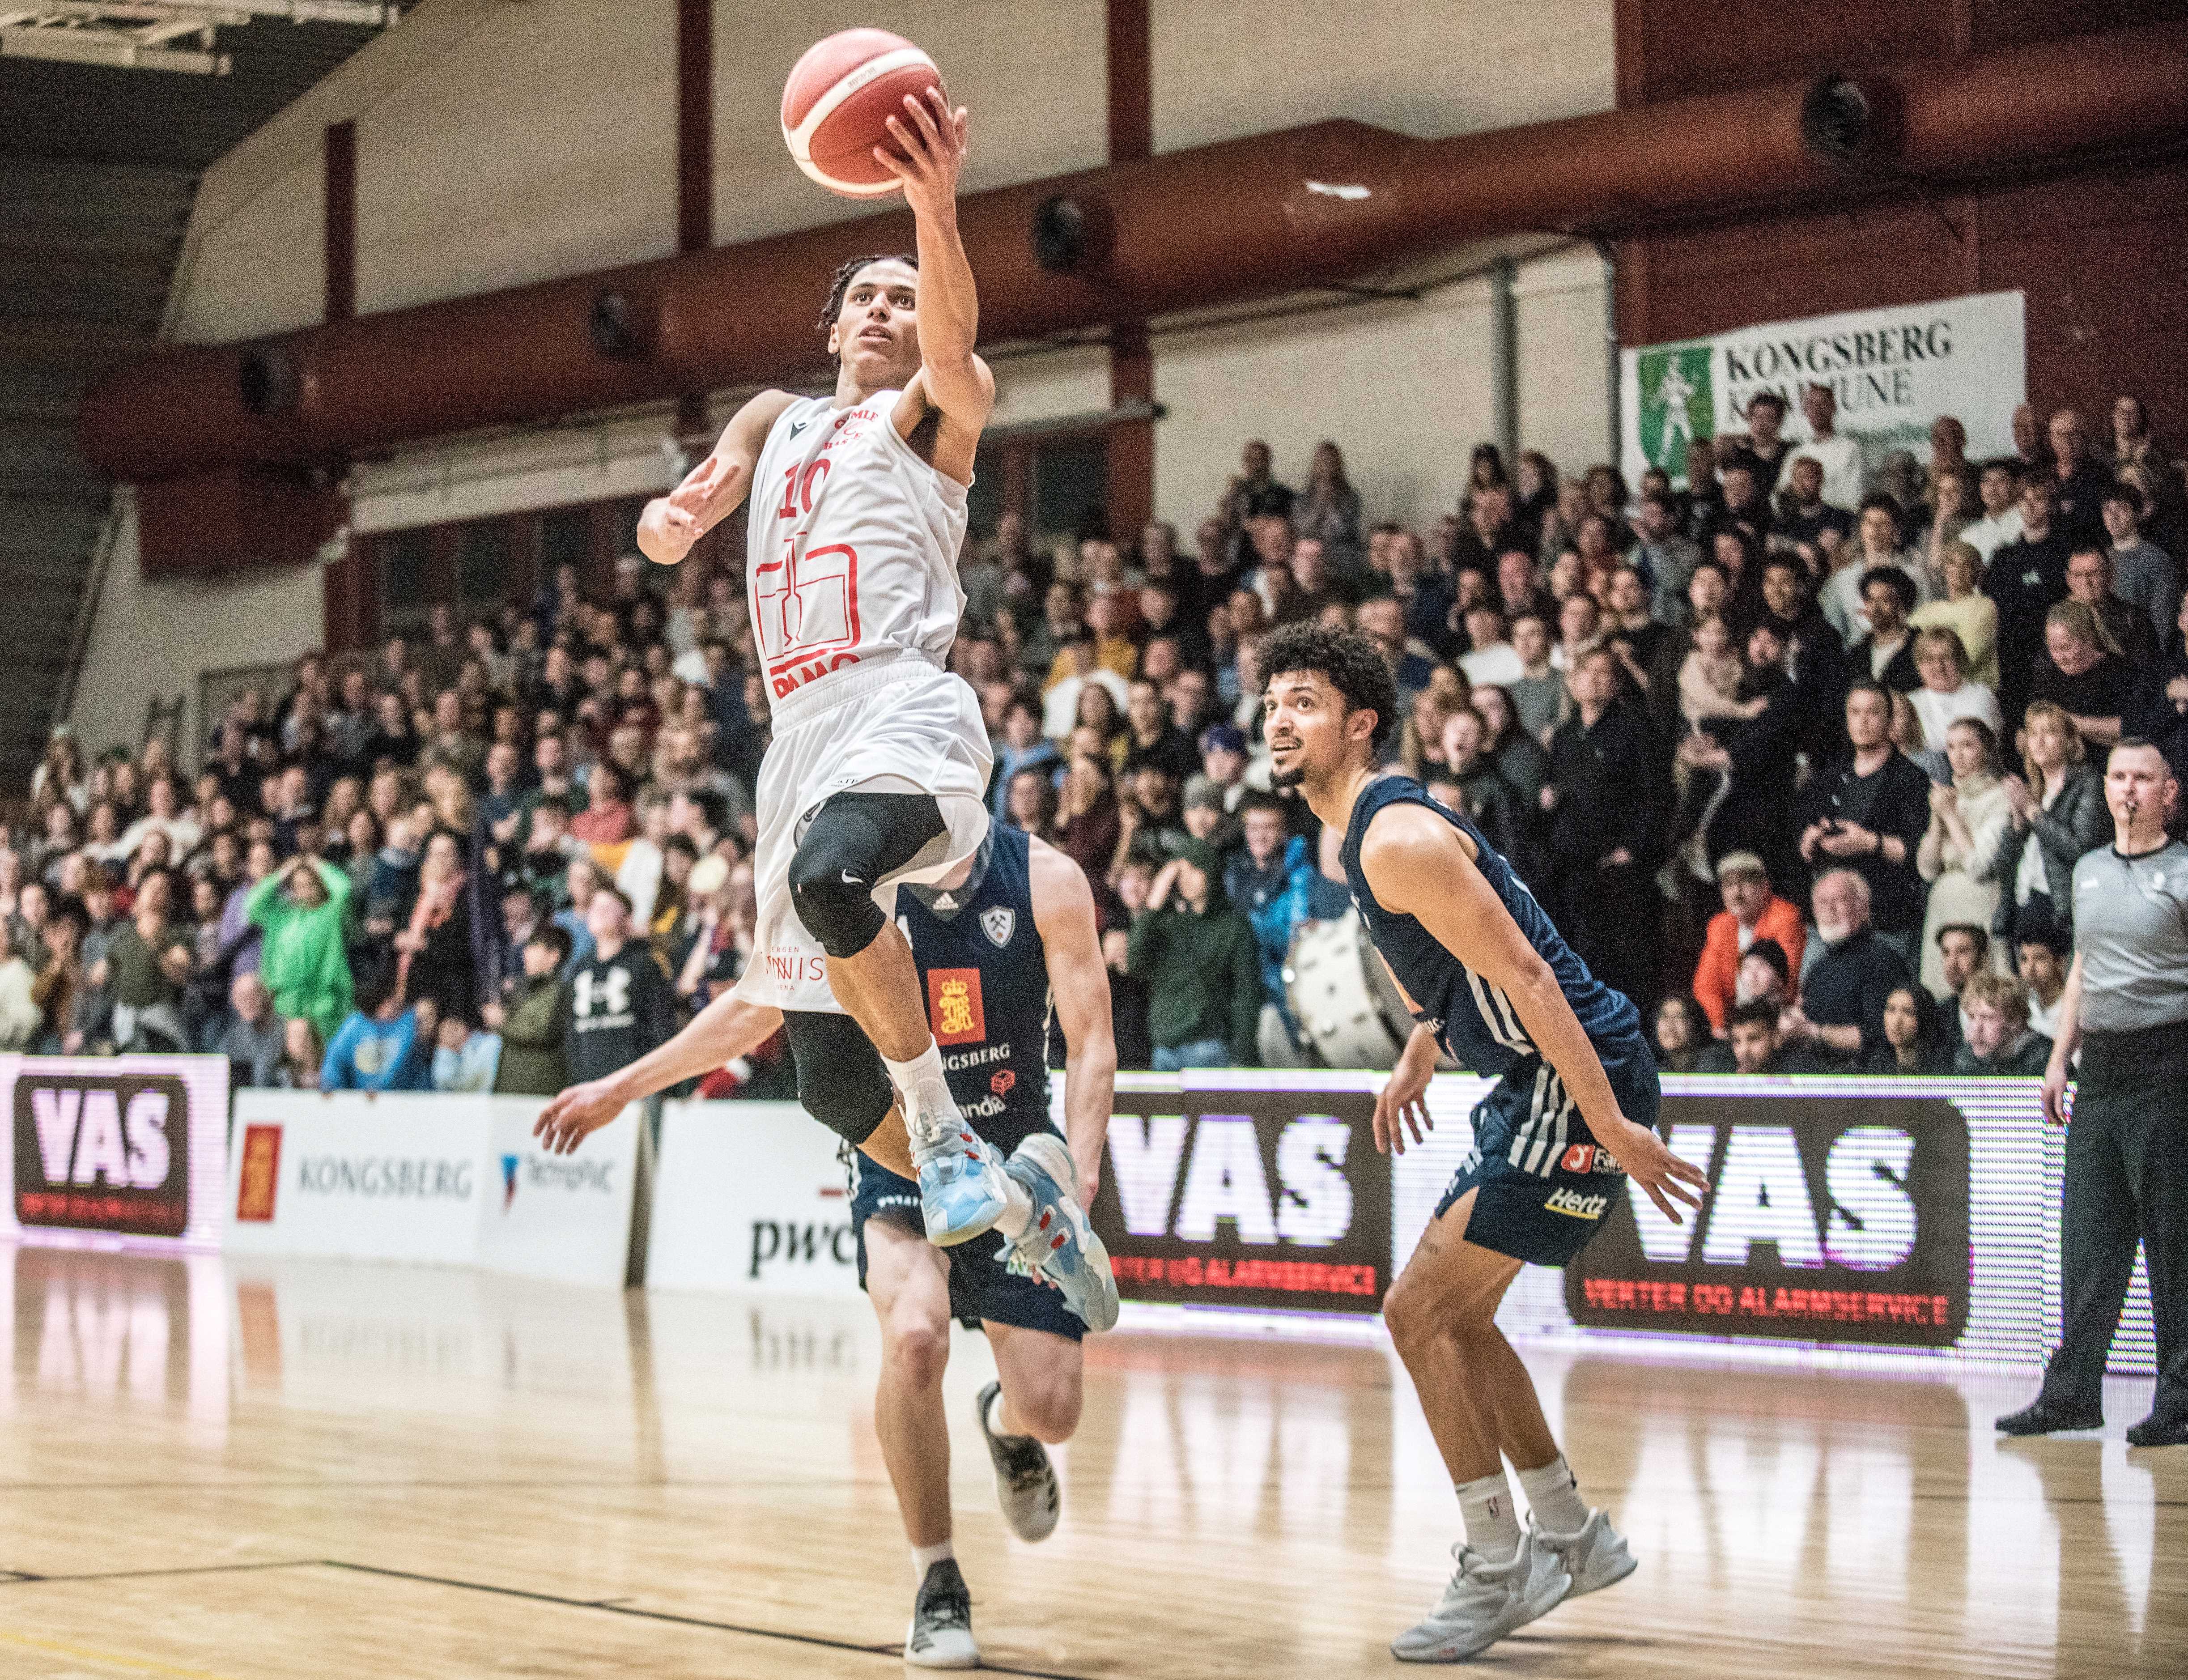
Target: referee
[2126, 1006]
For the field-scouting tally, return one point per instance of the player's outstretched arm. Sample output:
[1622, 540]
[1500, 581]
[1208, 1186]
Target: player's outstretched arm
[711, 491]
[951, 379]
[1417, 863]
[1079, 980]
[726, 1028]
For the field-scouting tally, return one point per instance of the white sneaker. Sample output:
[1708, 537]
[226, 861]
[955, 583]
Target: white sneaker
[1596, 1557]
[1025, 1481]
[941, 1634]
[1484, 1602]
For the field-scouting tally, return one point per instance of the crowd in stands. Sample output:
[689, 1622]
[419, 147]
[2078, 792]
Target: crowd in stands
[1799, 752]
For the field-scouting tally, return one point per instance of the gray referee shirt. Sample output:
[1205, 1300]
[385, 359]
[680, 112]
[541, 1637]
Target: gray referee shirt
[2131, 931]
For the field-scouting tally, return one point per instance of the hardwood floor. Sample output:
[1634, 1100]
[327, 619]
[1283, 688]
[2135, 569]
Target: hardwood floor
[233, 1469]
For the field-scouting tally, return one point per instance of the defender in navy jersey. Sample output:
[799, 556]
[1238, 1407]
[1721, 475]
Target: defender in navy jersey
[1001, 943]
[1570, 1118]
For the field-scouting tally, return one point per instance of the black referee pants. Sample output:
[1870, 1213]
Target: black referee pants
[2127, 1183]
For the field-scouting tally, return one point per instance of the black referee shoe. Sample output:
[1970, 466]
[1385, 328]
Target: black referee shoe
[2157, 1431]
[2045, 1418]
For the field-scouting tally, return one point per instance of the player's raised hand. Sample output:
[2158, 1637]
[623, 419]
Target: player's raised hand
[666, 531]
[575, 1115]
[1657, 1170]
[931, 139]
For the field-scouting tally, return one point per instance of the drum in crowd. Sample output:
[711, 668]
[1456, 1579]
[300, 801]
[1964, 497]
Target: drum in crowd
[1343, 997]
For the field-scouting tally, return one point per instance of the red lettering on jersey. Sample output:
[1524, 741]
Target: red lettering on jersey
[789, 679]
[954, 1011]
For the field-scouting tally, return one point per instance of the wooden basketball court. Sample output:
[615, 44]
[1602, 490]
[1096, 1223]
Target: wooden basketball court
[220, 1469]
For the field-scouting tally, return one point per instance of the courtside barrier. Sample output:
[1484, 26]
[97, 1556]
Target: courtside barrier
[127, 1150]
[1917, 1216]
[429, 1177]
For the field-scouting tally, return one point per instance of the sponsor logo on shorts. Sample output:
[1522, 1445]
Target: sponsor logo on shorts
[791, 965]
[1587, 1158]
[1575, 1205]
[954, 1010]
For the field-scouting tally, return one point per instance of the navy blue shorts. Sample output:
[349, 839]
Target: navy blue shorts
[981, 1287]
[1543, 1185]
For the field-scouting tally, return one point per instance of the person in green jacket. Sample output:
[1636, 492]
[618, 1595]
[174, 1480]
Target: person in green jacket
[1201, 966]
[532, 1019]
[300, 912]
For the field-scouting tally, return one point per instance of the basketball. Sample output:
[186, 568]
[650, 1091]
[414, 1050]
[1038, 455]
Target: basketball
[837, 100]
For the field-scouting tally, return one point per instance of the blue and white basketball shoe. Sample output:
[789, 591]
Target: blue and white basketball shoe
[1059, 1245]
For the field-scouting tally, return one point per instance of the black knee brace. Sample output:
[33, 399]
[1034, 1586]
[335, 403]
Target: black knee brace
[854, 843]
[840, 1081]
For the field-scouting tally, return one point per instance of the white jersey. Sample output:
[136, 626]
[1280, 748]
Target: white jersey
[852, 553]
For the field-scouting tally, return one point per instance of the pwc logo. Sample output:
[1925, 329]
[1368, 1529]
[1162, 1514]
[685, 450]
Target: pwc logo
[103, 1153]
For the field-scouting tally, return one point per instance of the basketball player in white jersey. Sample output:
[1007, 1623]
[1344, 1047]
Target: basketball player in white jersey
[880, 761]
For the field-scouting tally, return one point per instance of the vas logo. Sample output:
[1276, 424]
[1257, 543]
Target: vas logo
[103, 1152]
[1221, 1179]
[1678, 404]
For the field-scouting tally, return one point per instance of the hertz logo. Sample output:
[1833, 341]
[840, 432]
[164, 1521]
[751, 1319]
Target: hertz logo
[1576, 1205]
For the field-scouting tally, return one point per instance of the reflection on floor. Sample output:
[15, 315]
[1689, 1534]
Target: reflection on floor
[216, 1468]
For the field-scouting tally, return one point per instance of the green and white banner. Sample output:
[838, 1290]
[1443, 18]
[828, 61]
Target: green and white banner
[1894, 371]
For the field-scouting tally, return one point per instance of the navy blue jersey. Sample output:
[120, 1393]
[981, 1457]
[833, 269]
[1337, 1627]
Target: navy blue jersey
[986, 980]
[1473, 1020]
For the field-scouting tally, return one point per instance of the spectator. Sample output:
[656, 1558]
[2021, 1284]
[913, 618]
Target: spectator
[1839, 457]
[1485, 796]
[2079, 481]
[1128, 1001]
[1765, 974]
[253, 1040]
[22, 1019]
[1948, 693]
[1963, 952]
[1753, 912]
[2026, 577]
[2081, 672]
[465, 1061]
[2043, 955]
[1952, 500]
[534, 1020]
[2127, 628]
[1152, 737]
[1962, 847]
[1537, 696]
[1868, 813]
[1999, 485]
[60, 984]
[2144, 575]
[299, 912]
[1910, 1040]
[1662, 553]
[1840, 1013]
[1269, 882]
[2161, 714]
[621, 1005]
[1199, 961]
[302, 1055]
[1682, 1033]
[380, 1045]
[1022, 747]
[1754, 1044]
[2000, 1043]
[146, 964]
[1254, 492]
[1603, 830]
[1886, 653]
[607, 819]
[2057, 815]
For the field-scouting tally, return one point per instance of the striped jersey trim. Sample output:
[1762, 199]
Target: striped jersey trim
[1539, 1142]
[1498, 1015]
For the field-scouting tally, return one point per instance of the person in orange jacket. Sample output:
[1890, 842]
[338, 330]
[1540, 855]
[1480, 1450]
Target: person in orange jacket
[1752, 911]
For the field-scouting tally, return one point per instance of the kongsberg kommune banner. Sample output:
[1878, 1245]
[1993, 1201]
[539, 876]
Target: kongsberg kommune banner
[1893, 370]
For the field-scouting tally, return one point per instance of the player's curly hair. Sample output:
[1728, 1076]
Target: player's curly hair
[1350, 659]
[842, 282]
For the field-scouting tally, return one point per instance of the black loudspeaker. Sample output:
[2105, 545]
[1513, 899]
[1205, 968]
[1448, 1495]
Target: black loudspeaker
[621, 326]
[1839, 123]
[268, 380]
[1071, 236]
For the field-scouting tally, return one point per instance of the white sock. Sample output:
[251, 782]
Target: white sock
[1493, 1521]
[921, 1084]
[924, 1557]
[1554, 1496]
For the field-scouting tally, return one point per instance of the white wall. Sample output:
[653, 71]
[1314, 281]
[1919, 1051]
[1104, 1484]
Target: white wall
[151, 639]
[1403, 388]
[1224, 68]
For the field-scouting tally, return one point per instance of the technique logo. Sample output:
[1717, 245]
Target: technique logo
[509, 1164]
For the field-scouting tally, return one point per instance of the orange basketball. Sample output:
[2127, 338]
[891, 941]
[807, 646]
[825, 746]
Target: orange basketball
[837, 99]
